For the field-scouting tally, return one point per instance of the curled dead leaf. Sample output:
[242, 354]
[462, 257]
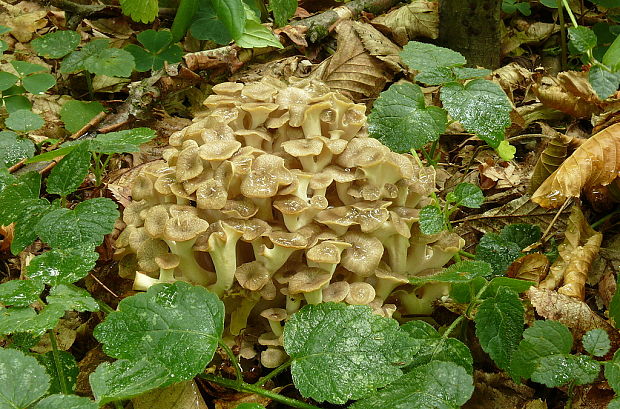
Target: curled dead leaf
[178, 396]
[550, 159]
[413, 20]
[532, 267]
[595, 163]
[570, 93]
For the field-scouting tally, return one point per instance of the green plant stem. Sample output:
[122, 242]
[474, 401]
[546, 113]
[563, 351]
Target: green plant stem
[183, 18]
[105, 308]
[603, 219]
[248, 388]
[570, 14]
[64, 387]
[273, 373]
[564, 61]
[467, 254]
[233, 360]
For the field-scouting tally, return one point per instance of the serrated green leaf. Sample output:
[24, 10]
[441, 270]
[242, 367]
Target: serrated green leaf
[435, 385]
[433, 347]
[18, 193]
[603, 82]
[518, 286]
[142, 11]
[506, 151]
[76, 114]
[86, 224]
[16, 102]
[20, 293]
[497, 251]
[56, 44]
[523, 234]
[70, 172]
[542, 339]
[596, 342]
[125, 379]
[466, 194]
[614, 305]
[432, 220]
[481, 106]
[611, 58]
[256, 35]
[614, 403]
[69, 368]
[23, 341]
[74, 62]
[60, 401]
[7, 80]
[142, 328]
[30, 214]
[72, 298]
[425, 57]
[461, 272]
[232, 14]
[112, 62]
[24, 68]
[436, 76]
[24, 120]
[582, 38]
[37, 84]
[557, 370]
[341, 352]
[122, 141]
[401, 120]
[25, 319]
[155, 41]
[612, 372]
[282, 10]
[499, 325]
[24, 381]
[13, 148]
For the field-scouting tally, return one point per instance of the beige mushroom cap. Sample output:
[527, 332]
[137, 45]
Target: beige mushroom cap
[228, 88]
[360, 293]
[336, 291]
[189, 164]
[327, 252]
[218, 150]
[167, 261]
[184, 227]
[364, 255]
[155, 220]
[148, 252]
[252, 276]
[274, 314]
[273, 357]
[308, 279]
[267, 175]
[211, 195]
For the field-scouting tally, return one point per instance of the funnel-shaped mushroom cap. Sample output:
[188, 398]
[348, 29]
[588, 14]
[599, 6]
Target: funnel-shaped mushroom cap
[184, 227]
[360, 293]
[253, 137]
[142, 188]
[136, 237]
[267, 175]
[274, 314]
[362, 152]
[189, 164]
[308, 279]
[252, 276]
[269, 291]
[162, 184]
[258, 112]
[273, 357]
[336, 291]
[251, 228]
[156, 219]
[240, 209]
[148, 252]
[269, 339]
[260, 91]
[364, 255]
[131, 214]
[303, 147]
[211, 195]
[218, 150]
[218, 132]
[228, 88]
[327, 252]
[167, 261]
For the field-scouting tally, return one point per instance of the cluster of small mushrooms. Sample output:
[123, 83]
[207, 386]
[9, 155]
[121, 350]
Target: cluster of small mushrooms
[275, 196]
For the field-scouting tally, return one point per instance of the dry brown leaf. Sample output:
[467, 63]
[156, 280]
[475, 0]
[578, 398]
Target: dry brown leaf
[497, 391]
[235, 399]
[178, 396]
[526, 33]
[24, 19]
[297, 34]
[512, 77]
[536, 404]
[532, 267]
[595, 163]
[352, 70]
[566, 93]
[379, 45]
[550, 159]
[417, 19]
[538, 112]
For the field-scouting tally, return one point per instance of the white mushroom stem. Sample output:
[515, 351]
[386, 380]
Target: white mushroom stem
[224, 257]
[314, 297]
[276, 328]
[384, 287]
[188, 266]
[272, 258]
[293, 303]
[397, 246]
[239, 316]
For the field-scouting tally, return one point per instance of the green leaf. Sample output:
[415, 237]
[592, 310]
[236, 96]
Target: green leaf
[523, 234]
[506, 151]
[125, 379]
[461, 272]
[596, 342]
[249, 406]
[24, 381]
[435, 385]
[614, 403]
[7, 80]
[582, 38]
[142, 328]
[56, 44]
[157, 49]
[20, 293]
[74, 62]
[66, 148]
[607, 3]
[16, 103]
[257, 35]
[432, 220]
[614, 305]
[232, 14]
[30, 213]
[24, 120]
[72, 298]
[401, 120]
[3, 47]
[425, 57]
[341, 352]
[550, 3]
[142, 11]
[24, 68]
[122, 141]
[612, 372]
[23, 341]
[13, 148]
[611, 58]
[497, 251]
[76, 114]
[37, 84]
[518, 286]
[481, 106]
[436, 76]
[70, 172]
[155, 41]
[557, 370]
[69, 368]
[86, 224]
[499, 325]
[17, 194]
[466, 73]
[543, 338]
[112, 62]
[208, 26]
[605, 83]
[25, 319]
[66, 402]
[466, 194]
[4, 29]
[282, 10]
[433, 347]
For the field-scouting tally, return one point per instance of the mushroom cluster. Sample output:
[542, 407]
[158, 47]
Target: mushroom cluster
[275, 196]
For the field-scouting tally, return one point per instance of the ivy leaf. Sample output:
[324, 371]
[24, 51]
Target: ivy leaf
[24, 120]
[30, 213]
[256, 35]
[582, 38]
[498, 251]
[232, 14]
[7, 80]
[341, 352]
[481, 106]
[142, 328]
[60, 401]
[13, 148]
[425, 57]
[25, 319]
[69, 368]
[596, 342]
[431, 386]
[142, 11]
[24, 381]
[72, 298]
[433, 347]
[557, 370]
[499, 325]
[122, 141]
[401, 120]
[124, 379]
[74, 62]
[20, 293]
[432, 220]
[70, 172]
[466, 194]
[37, 84]
[460, 272]
[112, 62]
[76, 114]
[282, 10]
[86, 224]
[604, 82]
[612, 372]
[56, 44]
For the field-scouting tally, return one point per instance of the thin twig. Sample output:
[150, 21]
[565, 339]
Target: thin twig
[103, 285]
